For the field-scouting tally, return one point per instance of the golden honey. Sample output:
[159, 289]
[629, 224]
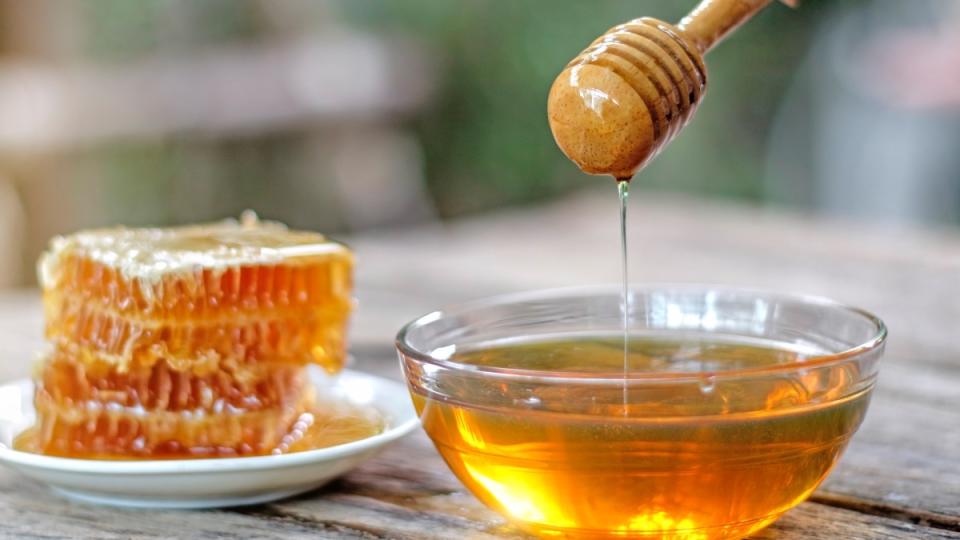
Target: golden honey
[711, 458]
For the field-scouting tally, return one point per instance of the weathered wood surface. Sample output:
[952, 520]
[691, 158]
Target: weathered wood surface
[406, 493]
[900, 477]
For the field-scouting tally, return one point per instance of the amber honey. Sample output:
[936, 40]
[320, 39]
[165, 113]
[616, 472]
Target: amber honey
[699, 456]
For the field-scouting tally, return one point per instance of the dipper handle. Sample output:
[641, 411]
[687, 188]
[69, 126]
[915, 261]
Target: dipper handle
[712, 20]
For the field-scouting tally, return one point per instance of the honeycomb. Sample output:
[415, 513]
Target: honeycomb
[91, 429]
[161, 388]
[198, 296]
[186, 342]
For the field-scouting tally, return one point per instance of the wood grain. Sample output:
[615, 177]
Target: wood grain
[900, 478]
[406, 493]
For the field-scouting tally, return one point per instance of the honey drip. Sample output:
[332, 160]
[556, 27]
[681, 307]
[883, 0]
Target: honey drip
[623, 191]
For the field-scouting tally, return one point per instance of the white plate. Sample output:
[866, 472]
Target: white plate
[206, 483]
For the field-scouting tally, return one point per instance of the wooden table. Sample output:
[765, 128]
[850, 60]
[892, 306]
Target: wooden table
[900, 477]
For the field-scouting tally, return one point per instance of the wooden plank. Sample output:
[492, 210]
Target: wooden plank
[898, 479]
[405, 493]
[30, 511]
[811, 521]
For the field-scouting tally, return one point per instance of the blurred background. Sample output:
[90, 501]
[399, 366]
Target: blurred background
[354, 115]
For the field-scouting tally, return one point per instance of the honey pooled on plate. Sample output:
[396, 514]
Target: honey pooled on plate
[719, 458]
[192, 342]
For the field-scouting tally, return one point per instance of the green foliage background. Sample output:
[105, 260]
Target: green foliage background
[485, 138]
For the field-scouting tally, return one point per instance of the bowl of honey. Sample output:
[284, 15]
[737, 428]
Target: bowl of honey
[715, 412]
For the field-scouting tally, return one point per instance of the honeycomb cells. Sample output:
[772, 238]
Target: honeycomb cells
[190, 342]
[266, 313]
[161, 388]
[93, 429]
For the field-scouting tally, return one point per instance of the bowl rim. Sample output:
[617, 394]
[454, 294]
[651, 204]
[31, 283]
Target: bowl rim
[875, 343]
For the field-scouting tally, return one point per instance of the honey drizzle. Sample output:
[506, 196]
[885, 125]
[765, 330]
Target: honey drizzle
[623, 192]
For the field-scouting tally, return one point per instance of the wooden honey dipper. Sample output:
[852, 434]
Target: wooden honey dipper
[618, 103]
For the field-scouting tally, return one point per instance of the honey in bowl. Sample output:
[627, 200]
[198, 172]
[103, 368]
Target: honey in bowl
[709, 435]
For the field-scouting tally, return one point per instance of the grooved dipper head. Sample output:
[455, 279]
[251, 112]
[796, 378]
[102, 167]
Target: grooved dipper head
[626, 96]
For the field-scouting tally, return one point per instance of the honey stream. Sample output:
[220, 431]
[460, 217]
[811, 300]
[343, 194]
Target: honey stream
[623, 191]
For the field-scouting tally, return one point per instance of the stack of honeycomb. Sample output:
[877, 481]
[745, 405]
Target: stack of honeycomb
[186, 342]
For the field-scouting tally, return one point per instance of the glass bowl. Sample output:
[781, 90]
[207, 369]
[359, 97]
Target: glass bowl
[734, 407]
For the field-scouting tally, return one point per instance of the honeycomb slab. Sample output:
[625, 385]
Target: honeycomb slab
[188, 341]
